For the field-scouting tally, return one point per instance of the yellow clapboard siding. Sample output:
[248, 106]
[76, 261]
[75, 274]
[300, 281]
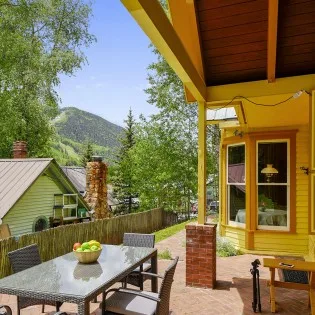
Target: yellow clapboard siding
[302, 205]
[237, 237]
[302, 218]
[288, 241]
[282, 248]
[296, 243]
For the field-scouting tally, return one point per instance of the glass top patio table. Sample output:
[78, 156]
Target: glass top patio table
[64, 279]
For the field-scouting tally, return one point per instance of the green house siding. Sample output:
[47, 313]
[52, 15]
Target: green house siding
[38, 200]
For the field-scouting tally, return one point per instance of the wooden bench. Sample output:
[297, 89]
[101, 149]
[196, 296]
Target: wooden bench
[296, 265]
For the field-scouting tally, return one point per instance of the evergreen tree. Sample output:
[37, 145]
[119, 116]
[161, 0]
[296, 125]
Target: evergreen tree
[123, 170]
[87, 154]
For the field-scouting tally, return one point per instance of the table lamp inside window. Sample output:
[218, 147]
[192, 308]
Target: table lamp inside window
[269, 172]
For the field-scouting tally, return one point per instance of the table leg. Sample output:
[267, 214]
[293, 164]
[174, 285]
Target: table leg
[312, 292]
[84, 308]
[272, 290]
[103, 304]
[141, 278]
[154, 267]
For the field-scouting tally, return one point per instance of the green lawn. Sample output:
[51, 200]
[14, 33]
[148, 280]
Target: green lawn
[165, 233]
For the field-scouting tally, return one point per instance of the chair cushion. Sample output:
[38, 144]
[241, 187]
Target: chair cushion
[129, 304]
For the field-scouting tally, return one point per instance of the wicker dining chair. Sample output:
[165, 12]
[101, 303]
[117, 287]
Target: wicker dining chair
[127, 301]
[20, 260]
[5, 310]
[138, 240]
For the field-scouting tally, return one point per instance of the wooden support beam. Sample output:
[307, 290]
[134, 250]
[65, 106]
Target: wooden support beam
[202, 162]
[261, 88]
[154, 22]
[272, 39]
[184, 20]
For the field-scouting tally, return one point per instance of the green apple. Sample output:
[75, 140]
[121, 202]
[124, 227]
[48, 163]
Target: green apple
[85, 245]
[79, 249]
[94, 248]
[87, 250]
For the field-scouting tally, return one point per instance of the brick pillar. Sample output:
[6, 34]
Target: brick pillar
[201, 255]
[19, 150]
[96, 188]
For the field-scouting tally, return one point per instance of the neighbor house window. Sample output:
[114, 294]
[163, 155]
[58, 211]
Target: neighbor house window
[236, 184]
[273, 184]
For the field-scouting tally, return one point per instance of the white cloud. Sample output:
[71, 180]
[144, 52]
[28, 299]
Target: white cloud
[79, 86]
[100, 85]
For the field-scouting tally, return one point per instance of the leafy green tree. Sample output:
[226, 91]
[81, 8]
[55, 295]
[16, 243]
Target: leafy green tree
[87, 153]
[165, 153]
[39, 40]
[123, 171]
[213, 146]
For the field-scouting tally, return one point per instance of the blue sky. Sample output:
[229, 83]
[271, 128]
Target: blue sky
[115, 77]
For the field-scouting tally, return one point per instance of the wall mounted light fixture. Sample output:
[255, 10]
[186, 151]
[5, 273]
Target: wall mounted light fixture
[304, 169]
[238, 133]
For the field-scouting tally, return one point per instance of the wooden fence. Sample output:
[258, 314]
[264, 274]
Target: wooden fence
[59, 241]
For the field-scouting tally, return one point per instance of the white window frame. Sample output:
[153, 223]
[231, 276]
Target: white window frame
[287, 184]
[233, 223]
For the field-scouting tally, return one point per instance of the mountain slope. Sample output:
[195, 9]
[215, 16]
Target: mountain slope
[76, 127]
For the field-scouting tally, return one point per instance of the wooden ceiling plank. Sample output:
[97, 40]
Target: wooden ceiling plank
[154, 22]
[296, 50]
[297, 30]
[213, 4]
[293, 59]
[234, 50]
[300, 19]
[235, 40]
[233, 10]
[238, 66]
[235, 31]
[234, 21]
[272, 39]
[297, 40]
[236, 58]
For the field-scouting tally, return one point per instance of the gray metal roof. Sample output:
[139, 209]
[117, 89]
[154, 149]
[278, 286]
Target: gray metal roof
[16, 176]
[77, 175]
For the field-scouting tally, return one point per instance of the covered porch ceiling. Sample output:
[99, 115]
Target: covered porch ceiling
[223, 49]
[250, 112]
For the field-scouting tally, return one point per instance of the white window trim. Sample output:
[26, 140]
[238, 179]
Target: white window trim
[287, 184]
[233, 223]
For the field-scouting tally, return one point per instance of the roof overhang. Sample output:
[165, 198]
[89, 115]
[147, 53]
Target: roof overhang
[192, 33]
[155, 23]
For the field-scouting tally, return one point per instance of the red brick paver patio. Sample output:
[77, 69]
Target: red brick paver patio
[233, 295]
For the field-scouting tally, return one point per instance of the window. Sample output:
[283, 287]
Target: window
[236, 184]
[273, 184]
[40, 223]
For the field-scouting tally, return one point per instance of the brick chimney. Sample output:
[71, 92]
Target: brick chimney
[19, 150]
[96, 188]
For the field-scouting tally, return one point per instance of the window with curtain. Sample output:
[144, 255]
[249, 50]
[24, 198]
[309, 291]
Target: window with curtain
[273, 184]
[236, 184]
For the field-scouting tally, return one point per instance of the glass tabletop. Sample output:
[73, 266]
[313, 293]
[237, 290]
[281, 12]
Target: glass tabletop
[65, 275]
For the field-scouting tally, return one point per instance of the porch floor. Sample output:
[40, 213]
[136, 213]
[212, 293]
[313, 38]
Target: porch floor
[232, 296]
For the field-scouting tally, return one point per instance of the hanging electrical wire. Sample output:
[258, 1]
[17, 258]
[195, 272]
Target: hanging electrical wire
[293, 96]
